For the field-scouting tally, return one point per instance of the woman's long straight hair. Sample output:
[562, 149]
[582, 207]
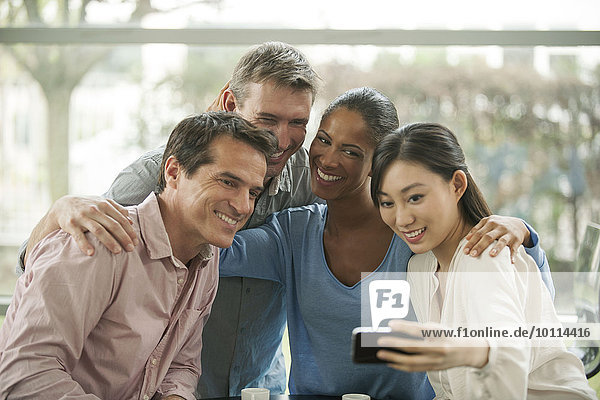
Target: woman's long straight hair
[436, 148]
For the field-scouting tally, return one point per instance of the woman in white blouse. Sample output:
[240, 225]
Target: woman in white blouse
[425, 193]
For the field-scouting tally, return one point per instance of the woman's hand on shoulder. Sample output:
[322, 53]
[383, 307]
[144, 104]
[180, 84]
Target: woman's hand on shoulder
[508, 231]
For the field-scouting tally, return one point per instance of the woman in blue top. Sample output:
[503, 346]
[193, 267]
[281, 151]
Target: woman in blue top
[318, 252]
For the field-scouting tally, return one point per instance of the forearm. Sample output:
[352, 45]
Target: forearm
[535, 251]
[131, 186]
[179, 383]
[136, 181]
[46, 225]
[20, 268]
[256, 253]
[234, 261]
[504, 377]
[47, 384]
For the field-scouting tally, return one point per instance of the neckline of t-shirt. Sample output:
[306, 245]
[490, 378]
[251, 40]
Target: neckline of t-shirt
[324, 260]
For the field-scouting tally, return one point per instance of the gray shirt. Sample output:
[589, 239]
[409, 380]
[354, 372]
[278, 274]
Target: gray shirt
[242, 338]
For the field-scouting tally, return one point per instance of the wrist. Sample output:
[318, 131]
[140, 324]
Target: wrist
[478, 356]
[527, 242]
[51, 218]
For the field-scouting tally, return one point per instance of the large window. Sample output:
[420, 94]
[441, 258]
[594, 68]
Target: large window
[75, 107]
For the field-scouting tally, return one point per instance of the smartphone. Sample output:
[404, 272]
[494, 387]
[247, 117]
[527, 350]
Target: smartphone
[364, 343]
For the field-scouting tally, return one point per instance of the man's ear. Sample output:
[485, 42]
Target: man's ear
[173, 172]
[229, 101]
[459, 183]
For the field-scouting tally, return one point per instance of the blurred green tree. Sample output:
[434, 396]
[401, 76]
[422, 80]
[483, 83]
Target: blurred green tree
[60, 68]
[532, 141]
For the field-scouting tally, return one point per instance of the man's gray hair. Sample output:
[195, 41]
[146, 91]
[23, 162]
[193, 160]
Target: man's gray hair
[275, 62]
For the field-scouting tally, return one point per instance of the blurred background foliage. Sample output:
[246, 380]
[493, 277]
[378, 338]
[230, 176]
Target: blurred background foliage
[72, 116]
[532, 139]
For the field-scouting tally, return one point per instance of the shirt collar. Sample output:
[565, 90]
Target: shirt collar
[154, 234]
[282, 182]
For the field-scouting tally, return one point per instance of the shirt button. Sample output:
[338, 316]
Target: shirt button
[146, 397]
[180, 281]
[154, 361]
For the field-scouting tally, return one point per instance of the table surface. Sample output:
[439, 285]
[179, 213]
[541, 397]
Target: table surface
[286, 397]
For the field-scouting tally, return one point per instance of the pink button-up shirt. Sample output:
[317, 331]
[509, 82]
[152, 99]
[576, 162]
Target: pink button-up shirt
[122, 326]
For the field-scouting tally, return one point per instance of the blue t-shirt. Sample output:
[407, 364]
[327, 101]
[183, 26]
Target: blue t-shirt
[321, 311]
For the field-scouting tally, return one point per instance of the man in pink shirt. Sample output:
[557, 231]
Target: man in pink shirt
[125, 326]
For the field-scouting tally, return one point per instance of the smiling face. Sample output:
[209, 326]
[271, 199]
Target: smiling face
[421, 207]
[216, 201]
[282, 110]
[340, 155]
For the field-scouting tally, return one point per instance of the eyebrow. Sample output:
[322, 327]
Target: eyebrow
[238, 179]
[343, 144]
[403, 190]
[269, 115]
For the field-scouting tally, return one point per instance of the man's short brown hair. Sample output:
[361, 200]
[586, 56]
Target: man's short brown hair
[190, 141]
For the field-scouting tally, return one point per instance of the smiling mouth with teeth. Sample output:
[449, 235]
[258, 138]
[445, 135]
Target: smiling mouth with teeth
[278, 154]
[328, 178]
[414, 233]
[225, 218]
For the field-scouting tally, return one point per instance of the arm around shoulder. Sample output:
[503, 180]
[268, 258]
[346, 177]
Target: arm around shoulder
[136, 181]
[538, 254]
[104, 218]
[261, 252]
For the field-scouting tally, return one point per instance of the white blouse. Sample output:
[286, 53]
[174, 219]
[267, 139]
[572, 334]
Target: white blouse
[492, 292]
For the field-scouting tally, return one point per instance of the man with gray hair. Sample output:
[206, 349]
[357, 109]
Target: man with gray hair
[273, 86]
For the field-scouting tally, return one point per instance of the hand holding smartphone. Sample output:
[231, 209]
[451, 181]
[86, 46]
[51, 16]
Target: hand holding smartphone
[364, 343]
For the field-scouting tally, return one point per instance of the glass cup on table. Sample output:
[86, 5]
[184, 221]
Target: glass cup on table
[356, 396]
[255, 394]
